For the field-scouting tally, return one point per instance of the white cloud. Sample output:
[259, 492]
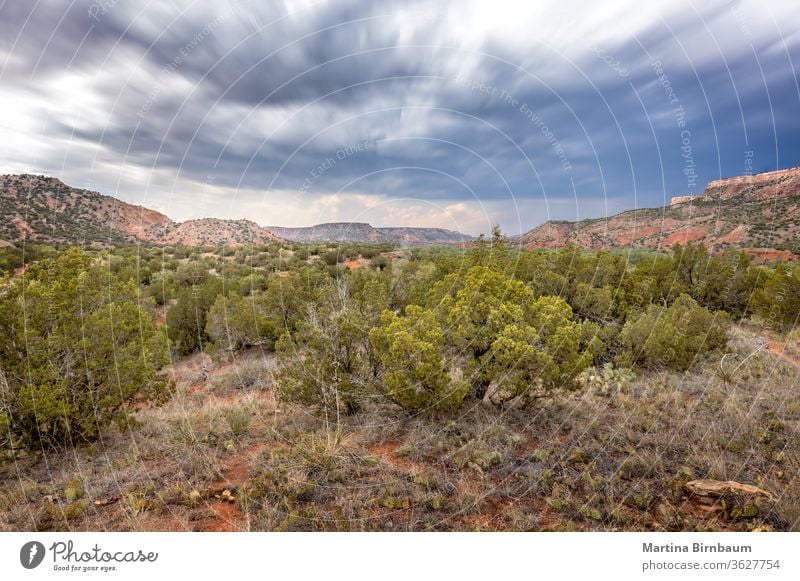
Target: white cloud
[77, 120]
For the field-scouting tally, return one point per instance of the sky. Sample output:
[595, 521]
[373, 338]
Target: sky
[458, 115]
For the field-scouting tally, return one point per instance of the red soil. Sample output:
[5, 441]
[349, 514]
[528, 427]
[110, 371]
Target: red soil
[770, 254]
[735, 236]
[684, 236]
[227, 515]
[624, 238]
[777, 348]
[387, 452]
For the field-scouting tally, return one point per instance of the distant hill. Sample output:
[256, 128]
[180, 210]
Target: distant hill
[759, 212]
[47, 210]
[44, 209]
[335, 231]
[414, 236]
[212, 231]
[363, 232]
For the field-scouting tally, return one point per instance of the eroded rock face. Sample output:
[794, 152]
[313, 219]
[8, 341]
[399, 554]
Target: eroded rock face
[760, 211]
[728, 498]
[363, 232]
[757, 187]
[47, 210]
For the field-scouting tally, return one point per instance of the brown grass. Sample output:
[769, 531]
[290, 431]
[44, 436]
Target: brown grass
[221, 455]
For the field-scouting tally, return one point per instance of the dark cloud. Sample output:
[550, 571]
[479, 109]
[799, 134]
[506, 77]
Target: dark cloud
[425, 102]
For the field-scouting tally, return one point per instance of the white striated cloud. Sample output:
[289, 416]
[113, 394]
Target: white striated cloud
[452, 114]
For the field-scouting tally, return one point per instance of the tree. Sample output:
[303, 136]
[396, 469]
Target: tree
[379, 261]
[475, 311]
[286, 297]
[533, 359]
[412, 281]
[492, 254]
[367, 292]
[651, 281]
[192, 274]
[690, 264]
[236, 322]
[778, 303]
[332, 257]
[77, 348]
[326, 361]
[508, 339]
[593, 303]
[187, 318]
[672, 336]
[410, 349]
[162, 287]
[479, 307]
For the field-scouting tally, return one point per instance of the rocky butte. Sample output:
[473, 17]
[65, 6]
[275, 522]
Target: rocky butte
[782, 183]
[758, 213]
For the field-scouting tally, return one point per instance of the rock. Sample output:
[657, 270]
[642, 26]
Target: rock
[721, 489]
[496, 396]
[730, 499]
[449, 488]
[524, 469]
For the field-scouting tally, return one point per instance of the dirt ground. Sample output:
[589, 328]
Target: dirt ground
[224, 455]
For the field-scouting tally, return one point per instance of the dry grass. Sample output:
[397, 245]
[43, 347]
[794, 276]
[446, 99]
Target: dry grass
[222, 456]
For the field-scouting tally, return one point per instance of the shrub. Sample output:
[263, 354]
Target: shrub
[379, 261]
[778, 303]
[187, 318]
[325, 363]
[594, 303]
[161, 287]
[77, 347]
[481, 306]
[332, 257]
[237, 322]
[328, 361]
[533, 359]
[608, 380]
[521, 344]
[672, 337]
[410, 349]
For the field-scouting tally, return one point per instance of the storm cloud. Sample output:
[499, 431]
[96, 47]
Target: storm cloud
[453, 114]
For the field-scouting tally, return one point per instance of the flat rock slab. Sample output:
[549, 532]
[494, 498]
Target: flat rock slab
[732, 499]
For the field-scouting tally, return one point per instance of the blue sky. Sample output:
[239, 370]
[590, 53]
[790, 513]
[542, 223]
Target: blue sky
[452, 114]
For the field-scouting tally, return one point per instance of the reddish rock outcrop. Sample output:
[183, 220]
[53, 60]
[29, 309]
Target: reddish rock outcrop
[728, 498]
[770, 185]
[45, 209]
[760, 213]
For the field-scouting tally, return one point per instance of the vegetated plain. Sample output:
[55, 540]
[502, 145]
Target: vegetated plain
[354, 387]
